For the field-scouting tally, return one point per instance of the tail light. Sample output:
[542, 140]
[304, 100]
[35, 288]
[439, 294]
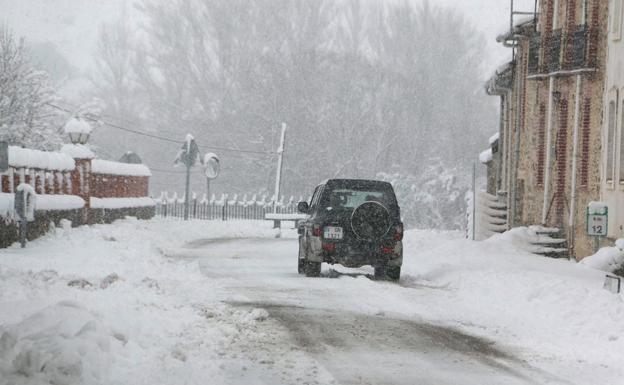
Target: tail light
[329, 247]
[387, 250]
[398, 232]
[317, 230]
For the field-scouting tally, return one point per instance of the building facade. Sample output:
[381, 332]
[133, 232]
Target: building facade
[612, 177]
[551, 118]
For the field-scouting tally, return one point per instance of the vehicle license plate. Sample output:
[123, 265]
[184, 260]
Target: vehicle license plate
[332, 232]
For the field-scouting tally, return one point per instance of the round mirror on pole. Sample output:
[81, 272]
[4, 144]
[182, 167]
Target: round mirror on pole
[211, 166]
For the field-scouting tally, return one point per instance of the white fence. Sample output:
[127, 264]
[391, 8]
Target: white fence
[226, 207]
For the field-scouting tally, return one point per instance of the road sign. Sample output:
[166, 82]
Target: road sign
[597, 219]
[4, 156]
[211, 166]
[188, 153]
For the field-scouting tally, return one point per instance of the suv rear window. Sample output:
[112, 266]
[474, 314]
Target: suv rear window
[349, 194]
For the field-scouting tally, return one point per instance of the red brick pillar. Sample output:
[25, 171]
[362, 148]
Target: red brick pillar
[81, 185]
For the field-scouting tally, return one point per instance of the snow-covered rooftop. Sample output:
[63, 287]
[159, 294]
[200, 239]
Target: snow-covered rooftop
[493, 138]
[44, 160]
[99, 166]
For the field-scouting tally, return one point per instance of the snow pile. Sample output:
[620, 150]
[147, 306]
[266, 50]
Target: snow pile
[77, 151]
[99, 166]
[43, 160]
[61, 344]
[608, 259]
[597, 208]
[549, 309]
[7, 202]
[78, 126]
[486, 156]
[526, 239]
[120, 203]
[494, 138]
[119, 304]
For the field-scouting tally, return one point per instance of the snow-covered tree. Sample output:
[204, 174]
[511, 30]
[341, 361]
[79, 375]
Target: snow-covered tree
[26, 117]
[361, 85]
[433, 198]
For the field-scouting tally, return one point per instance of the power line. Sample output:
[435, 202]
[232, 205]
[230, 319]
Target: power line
[158, 137]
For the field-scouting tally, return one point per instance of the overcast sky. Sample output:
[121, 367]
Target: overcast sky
[73, 24]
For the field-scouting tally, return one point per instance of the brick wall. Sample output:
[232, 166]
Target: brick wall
[119, 186]
[82, 182]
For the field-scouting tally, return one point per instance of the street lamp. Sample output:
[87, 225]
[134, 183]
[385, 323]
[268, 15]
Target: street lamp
[78, 130]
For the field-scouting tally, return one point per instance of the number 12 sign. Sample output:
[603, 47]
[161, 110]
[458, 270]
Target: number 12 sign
[597, 220]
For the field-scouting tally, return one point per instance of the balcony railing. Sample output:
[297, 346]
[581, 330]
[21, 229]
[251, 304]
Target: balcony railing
[579, 48]
[552, 57]
[560, 53]
[534, 54]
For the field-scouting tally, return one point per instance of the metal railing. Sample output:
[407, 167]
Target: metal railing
[225, 208]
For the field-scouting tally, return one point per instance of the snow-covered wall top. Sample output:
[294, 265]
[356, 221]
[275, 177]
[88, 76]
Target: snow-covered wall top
[99, 166]
[121, 203]
[53, 161]
[42, 203]
[77, 151]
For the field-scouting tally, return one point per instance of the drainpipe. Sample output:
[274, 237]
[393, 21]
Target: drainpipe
[514, 176]
[551, 86]
[577, 119]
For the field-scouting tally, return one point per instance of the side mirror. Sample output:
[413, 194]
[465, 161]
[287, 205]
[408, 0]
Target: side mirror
[303, 207]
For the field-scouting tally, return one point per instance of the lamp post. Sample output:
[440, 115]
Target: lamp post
[78, 131]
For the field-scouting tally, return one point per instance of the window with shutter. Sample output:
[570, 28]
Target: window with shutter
[610, 148]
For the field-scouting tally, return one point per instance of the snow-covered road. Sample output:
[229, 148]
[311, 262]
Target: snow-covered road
[199, 302]
[357, 330]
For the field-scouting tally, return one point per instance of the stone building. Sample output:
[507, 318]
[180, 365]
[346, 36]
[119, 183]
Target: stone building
[612, 162]
[551, 117]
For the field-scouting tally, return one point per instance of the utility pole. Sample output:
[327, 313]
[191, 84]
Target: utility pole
[188, 155]
[278, 177]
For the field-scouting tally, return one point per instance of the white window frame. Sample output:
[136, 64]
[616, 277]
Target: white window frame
[620, 141]
[615, 20]
[611, 146]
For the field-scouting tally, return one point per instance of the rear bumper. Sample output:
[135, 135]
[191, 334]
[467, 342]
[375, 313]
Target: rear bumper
[356, 255]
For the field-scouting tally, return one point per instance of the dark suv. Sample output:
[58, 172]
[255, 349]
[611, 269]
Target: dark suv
[353, 223]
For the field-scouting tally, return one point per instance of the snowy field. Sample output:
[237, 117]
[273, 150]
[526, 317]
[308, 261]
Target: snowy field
[168, 302]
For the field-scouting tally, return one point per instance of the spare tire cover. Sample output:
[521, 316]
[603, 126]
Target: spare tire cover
[370, 220]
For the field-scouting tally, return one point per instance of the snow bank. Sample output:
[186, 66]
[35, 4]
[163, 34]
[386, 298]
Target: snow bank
[120, 203]
[64, 320]
[77, 151]
[61, 344]
[608, 259]
[99, 166]
[550, 311]
[27, 158]
[493, 138]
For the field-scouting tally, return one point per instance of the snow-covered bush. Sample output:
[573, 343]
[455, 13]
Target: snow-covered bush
[26, 117]
[434, 199]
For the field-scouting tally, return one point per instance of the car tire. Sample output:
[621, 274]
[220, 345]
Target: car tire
[380, 272]
[312, 269]
[301, 261]
[393, 273]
